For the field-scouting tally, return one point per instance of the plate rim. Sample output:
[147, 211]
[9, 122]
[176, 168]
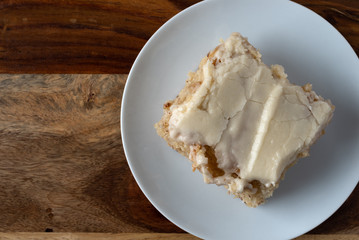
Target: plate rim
[124, 102]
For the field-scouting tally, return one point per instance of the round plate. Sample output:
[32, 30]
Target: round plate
[311, 50]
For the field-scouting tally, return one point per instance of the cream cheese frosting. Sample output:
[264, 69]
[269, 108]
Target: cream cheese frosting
[254, 119]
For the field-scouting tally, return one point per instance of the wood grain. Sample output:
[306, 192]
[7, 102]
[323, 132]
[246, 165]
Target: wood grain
[42, 36]
[138, 236]
[62, 165]
[102, 236]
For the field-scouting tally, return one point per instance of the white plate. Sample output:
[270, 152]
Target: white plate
[311, 50]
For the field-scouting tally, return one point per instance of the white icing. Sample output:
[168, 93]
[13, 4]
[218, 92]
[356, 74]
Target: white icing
[253, 118]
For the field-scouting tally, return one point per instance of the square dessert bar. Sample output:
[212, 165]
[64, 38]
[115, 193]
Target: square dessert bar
[242, 123]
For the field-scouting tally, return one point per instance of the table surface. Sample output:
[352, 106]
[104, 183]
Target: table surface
[62, 166]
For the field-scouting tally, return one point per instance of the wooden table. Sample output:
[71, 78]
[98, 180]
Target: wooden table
[62, 166]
